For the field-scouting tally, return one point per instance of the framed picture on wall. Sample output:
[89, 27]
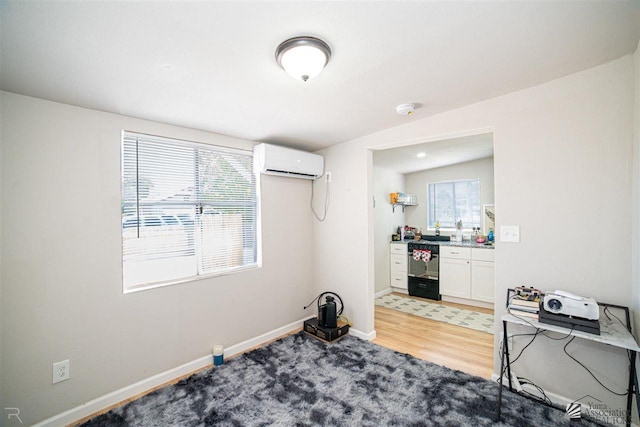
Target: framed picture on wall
[488, 218]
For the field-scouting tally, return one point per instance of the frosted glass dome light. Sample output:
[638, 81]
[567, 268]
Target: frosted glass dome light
[303, 58]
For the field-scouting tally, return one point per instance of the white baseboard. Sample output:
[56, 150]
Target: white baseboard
[556, 399]
[103, 402]
[470, 302]
[259, 340]
[383, 292]
[365, 336]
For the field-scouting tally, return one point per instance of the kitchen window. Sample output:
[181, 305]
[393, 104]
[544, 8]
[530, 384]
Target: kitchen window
[189, 211]
[452, 201]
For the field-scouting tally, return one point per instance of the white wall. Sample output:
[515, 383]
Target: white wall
[417, 184]
[386, 221]
[563, 170]
[61, 264]
[343, 245]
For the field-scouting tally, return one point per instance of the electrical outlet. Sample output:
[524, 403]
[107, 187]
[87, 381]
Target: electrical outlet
[328, 174]
[60, 371]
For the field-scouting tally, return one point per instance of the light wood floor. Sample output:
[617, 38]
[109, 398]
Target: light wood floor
[453, 346]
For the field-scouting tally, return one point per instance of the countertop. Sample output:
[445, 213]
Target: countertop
[464, 243]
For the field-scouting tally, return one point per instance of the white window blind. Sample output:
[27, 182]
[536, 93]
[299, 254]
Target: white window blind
[451, 201]
[188, 210]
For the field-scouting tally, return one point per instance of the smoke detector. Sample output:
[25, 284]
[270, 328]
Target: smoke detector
[405, 109]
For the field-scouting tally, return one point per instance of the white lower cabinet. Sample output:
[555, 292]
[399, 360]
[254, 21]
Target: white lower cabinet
[455, 272]
[467, 273]
[483, 280]
[398, 265]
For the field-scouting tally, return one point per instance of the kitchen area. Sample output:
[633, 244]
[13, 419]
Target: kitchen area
[436, 268]
[434, 264]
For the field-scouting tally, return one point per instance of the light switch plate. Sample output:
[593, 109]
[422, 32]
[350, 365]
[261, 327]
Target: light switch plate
[510, 233]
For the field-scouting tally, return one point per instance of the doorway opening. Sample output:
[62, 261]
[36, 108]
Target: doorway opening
[446, 191]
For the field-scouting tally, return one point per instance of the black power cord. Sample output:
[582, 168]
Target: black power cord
[319, 298]
[589, 371]
[511, 362]
[541, 332]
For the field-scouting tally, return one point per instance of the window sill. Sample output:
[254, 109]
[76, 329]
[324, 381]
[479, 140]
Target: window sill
[148, 286]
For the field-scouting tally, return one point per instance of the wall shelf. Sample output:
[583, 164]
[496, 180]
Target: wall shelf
[401, 199]
[393, 206]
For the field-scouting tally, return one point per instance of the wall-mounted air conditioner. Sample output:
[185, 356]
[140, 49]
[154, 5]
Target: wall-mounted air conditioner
[274, 160]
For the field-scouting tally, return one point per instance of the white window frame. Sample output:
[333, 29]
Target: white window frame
[465, 226]
[198, 204]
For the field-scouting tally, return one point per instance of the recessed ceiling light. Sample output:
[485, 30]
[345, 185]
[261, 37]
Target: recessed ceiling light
[421, 154]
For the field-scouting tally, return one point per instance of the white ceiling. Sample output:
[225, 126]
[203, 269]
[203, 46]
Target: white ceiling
[435, 154]
[210, 65]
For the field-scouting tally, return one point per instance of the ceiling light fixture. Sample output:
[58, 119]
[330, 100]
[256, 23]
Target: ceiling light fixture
[405, 109]
[303, 57]
[421, 155]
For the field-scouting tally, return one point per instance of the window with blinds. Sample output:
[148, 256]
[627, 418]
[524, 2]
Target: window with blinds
[188, 210]
[451, 201]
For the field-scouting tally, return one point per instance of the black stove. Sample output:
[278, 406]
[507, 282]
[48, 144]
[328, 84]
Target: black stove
[421, 244]
[424, 277]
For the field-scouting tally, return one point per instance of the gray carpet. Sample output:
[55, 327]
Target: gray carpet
[301, 381]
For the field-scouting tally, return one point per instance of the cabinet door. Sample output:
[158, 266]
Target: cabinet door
[455, 277]
[483, 281]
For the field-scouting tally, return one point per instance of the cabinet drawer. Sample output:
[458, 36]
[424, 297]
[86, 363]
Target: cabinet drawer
[483, 255]
[455, 252]
[398, 249]
[399, 280]
[398, 264]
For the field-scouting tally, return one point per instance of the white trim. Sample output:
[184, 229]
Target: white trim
[556, 399]
[436, 137]
[383, 292]
[117, 396]
[365, 336]
[470, 302]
